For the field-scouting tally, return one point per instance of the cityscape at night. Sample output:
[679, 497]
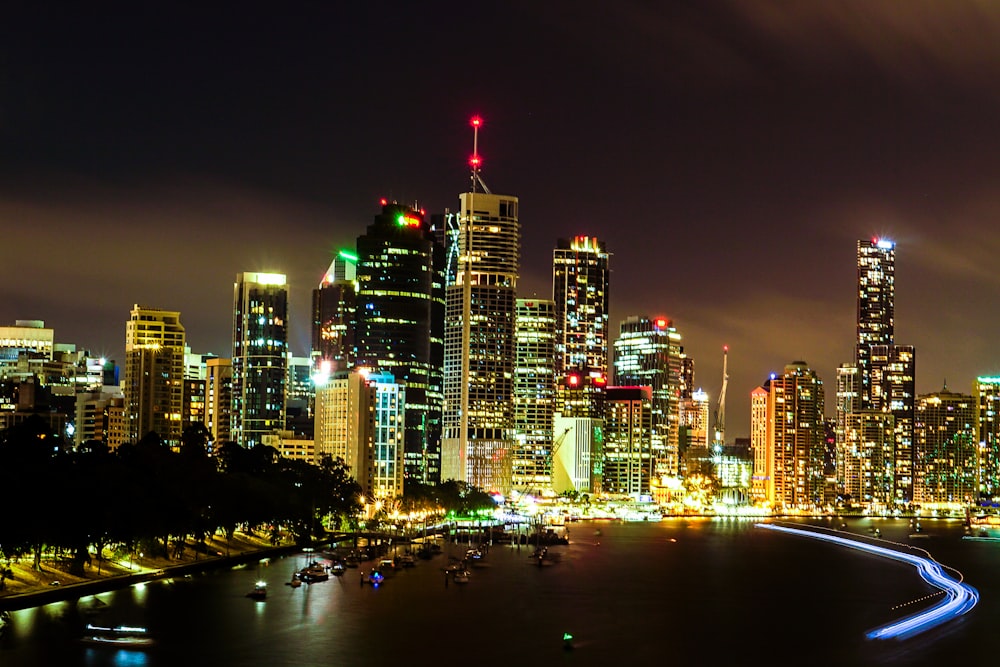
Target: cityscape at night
[318, 286]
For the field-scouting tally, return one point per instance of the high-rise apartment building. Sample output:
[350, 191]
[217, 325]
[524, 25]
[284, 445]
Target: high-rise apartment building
[218, 400]
[534, 394]
[154, 375]
[761, 443]
[986, 392]
[876, 304]
[333, 324]
[479, 441]
[648, 354]
[693, 421]
[796, 404]
[628, 458]
[400, 325]
[946, 474]
[580, 288]
[260, 356]
[893, 390]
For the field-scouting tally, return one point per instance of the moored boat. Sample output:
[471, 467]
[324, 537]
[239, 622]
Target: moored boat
[120, 636]
[259, 591]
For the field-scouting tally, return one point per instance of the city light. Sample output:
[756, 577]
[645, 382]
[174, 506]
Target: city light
[959, 596]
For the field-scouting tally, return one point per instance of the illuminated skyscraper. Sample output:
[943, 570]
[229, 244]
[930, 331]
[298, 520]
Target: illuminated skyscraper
[893, 373]
[796, 404]
[333, 327]
[761, 443]
[534, 394]
[480, 352]
[219, 399]
[648, 354]
[260, 356]
[876, 304]
[154, 375]
[987, 396]
[945, 451]
[580, 289]
[628, 457]
[400, 325]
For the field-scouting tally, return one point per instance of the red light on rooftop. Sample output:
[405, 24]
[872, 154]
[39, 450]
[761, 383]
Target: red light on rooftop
[661, 322]
[383, 201]
[476, 121]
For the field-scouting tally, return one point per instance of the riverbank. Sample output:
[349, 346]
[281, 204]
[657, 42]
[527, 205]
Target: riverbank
[24, 587]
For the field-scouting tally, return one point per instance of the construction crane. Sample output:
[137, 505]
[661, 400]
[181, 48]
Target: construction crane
[720, 411]
[556, 444]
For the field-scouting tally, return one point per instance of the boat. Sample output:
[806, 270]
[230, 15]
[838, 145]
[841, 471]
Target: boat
[313, 573]
[120, 636]
[259, 591]
[461, 576]
[375, 577]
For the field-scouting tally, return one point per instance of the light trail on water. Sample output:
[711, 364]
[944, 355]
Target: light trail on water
[959, 596]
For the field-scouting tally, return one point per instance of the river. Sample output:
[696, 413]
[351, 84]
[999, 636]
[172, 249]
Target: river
[676, 592]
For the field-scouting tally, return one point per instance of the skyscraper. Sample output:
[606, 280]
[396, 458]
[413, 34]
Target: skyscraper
[479, 349]
[628, 457]
[893, 391]
[580, 289]
[219, 399]
[987, 395]
[796, 406]
[876, 304]
[946, 464]
[260, 356]
[648, 354]
[333, 326]
[154, 375]
[400, 325]
[534, 394]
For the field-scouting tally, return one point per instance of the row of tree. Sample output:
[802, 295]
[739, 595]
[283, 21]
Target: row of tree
[143, 496]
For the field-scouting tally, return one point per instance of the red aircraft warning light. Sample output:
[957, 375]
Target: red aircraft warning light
[476, 121]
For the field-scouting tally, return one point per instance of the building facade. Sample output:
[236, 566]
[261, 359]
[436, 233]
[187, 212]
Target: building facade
[648, 353]
[581, 288]
[796, 403]
[260, 356]
[400, 325]
[946, 467]
[479, 439]
[534, 394]
[153, 387]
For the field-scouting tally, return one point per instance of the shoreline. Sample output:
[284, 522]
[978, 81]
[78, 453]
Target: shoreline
[41, 592]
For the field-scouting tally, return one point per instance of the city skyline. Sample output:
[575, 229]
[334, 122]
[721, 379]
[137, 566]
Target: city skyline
[728, 156]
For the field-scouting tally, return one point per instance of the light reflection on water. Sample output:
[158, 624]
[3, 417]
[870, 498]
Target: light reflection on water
[662, 590]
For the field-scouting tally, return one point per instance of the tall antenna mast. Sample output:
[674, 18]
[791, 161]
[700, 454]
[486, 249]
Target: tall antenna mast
[474, 162]
[720, 414]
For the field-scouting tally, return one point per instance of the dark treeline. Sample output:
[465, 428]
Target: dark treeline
[143, 497]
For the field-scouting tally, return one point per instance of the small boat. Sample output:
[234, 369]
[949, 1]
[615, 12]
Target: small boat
[375, 577]
[120, 636]
[259, 591]
[314, 572]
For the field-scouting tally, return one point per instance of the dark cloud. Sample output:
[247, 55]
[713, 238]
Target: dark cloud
[730, 154]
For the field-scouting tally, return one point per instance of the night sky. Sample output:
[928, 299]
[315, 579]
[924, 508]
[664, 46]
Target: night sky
[730, 154]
